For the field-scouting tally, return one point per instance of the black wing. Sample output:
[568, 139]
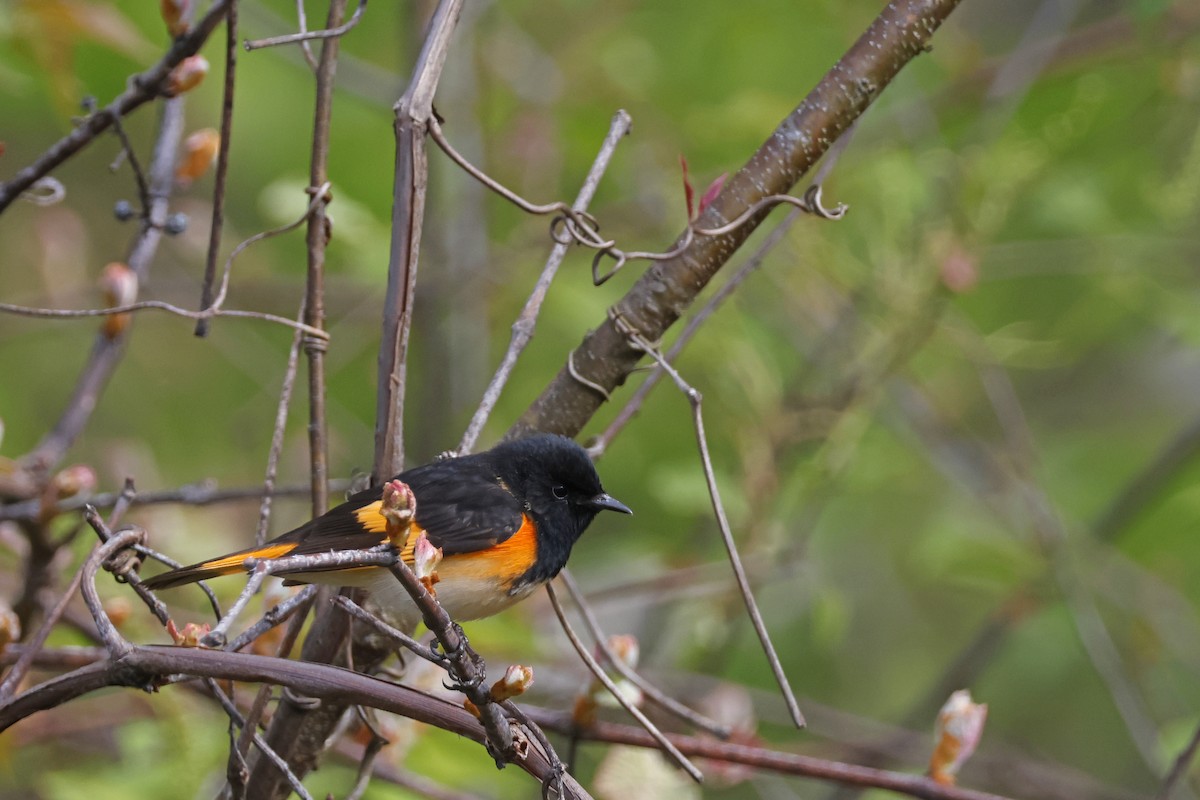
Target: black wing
[461, 504]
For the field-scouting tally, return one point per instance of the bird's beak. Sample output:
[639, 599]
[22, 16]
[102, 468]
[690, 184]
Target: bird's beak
[604, 501]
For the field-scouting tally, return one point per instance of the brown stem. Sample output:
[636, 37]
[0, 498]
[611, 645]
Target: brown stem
[763, 758]
[222, 169]
[142, 667]
[594, 667]
[413, 112]
[301, 748]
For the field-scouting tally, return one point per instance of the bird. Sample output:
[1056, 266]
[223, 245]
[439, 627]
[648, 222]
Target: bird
[505, 519]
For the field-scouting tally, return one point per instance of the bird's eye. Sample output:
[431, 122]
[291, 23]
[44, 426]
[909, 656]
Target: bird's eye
[559, 491]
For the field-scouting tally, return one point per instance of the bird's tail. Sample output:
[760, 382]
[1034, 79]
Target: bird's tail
[231, 564]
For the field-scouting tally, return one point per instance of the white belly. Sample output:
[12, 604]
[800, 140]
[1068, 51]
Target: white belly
[463, 599]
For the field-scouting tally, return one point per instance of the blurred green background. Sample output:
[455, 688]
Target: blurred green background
[922, 416]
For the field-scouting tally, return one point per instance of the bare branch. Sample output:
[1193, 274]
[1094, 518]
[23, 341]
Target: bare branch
[594, 667]
[414, 113]
[222, 169]
[735, 560]
[142, 88]
[763, 758]
[522, 329]
[304, 36]
[652, 692]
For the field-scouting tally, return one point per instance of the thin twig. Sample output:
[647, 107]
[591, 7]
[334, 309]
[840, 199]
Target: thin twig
[33, 646]
[597, 448]
[414, 115]
[92, 517]
[757, 258]
[116, 644]
[259, 706]
[65, 657]
[276, 615]
[663, 742]
[652, 692]
[222, 169]
[305, 47]
[217, 637]
[107, 351]
[396, 635]
[281, 415]
[1179, 768]
[316, 238]
[213, 310]
[522, 329]
[366, 767]
[71, 313]
[235, 716]
[194, 494]
[694, 399]
[763, 758]
[141, 89]
[135, 166]
[306, 36]
[465, 666]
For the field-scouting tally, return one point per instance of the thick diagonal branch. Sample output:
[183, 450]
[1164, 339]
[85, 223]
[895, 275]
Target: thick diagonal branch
[659, 298]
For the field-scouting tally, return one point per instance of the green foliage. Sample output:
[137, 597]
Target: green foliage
[861, 404]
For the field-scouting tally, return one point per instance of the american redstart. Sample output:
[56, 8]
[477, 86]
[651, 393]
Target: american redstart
[506, 520]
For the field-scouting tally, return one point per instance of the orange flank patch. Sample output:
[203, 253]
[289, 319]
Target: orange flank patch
[503, 563]
[233, 563]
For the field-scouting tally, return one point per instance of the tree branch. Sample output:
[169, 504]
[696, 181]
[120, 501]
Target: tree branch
[656, 301]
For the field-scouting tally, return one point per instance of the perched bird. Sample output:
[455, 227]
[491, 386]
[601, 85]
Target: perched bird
[506, 520]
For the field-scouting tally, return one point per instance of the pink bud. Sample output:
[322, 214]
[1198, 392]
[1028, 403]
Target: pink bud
[625, 647]
[956, 735]
[10, 626]
[191, 634]
[75, 479]
[517, 678]
[426, 558]
[187, 75]
[174, 13]
[398, 507]
[199, 151]
[119, 285]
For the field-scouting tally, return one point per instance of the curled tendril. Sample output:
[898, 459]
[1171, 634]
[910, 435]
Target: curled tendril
[45, 192]
[579, 227]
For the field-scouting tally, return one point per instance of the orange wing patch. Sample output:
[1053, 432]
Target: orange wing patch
[503, 563]
[233, 563]
[370, 519]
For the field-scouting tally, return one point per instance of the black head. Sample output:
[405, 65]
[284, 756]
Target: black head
[561, 490]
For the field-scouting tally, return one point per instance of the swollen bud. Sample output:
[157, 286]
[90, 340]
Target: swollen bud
[199, 150]
[625, 647]
[190, 636]
[956, 735]
[76, 479]
[174, 13]
[186, 75]
[120, 287]
[517, 678]
[10, 626]
[426, 558]
[398, 507]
